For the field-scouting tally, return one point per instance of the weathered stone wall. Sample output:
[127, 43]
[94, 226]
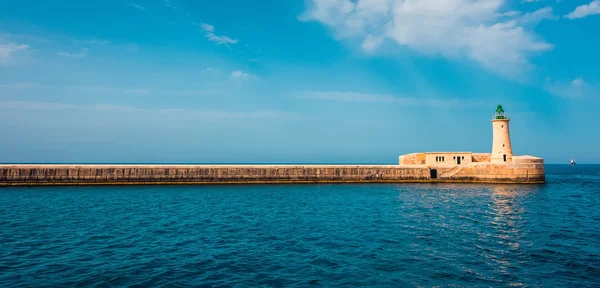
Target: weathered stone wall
[206, 174]
[247, 174]
[521, 173]
[527, 160]
[481, 157]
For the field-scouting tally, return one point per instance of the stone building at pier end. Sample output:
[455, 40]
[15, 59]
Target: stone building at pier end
[499, 166]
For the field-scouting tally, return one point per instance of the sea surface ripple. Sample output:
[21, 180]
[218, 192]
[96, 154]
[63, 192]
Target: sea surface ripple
[380, 235]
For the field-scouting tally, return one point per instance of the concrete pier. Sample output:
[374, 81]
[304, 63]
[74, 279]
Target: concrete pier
[47, 175]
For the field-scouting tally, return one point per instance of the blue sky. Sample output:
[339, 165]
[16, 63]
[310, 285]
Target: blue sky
[340, 81]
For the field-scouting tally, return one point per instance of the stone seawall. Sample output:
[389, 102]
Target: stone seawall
[34, 175]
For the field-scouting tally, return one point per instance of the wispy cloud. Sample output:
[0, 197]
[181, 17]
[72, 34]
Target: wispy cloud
[137, 6]
[100, 89]
[105, 89]
[24, 86]
[209, 33]
[191, 92]
[370, 43]
[239, 73]
[382, 98]
[585, 10]
[577, 82]
[81, 54]
[207, 27]
[7, 49]
[210, 114]
[169, 4]
[533, 18]
[220, 39]
[206, 70]
[576, 88]
[511, 13]
[351, 97]
[93, 41]
[21, 37]
[98, 42]
[138, 91]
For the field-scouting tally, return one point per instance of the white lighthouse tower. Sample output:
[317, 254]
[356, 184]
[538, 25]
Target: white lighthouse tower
[501, 147]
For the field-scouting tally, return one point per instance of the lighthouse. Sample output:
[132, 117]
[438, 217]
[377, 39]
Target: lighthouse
[501, 147]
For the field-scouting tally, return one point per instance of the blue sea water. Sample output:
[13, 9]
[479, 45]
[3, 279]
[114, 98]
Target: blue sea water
[376, 235]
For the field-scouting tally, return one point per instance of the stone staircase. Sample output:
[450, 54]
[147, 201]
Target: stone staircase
[451, 172]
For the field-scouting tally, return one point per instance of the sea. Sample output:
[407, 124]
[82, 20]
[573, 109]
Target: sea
[321, 235]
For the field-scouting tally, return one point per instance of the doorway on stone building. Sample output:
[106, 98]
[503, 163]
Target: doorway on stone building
[457, 160]
[433, 173]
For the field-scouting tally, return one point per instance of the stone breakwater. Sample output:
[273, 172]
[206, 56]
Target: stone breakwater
[43, 175]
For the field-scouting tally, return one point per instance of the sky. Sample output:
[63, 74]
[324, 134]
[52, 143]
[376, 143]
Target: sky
[294, 81]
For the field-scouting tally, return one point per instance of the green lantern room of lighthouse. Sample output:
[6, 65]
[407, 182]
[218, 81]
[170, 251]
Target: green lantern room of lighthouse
[499, 113]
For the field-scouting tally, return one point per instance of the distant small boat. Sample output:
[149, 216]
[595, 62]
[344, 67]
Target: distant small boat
[572, 163]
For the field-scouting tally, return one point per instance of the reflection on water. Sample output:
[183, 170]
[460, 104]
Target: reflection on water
[507, 221]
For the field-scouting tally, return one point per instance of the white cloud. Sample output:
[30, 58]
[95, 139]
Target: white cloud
[7, 49]
[577, 82]
[576, 88]
[477, 30]
[238, 73]
[370, 43]
[209, 33]
[511, 13]
[207, 70]
[382, 98]
[585, 10]
[207, 27]
[220, 39]
[137, 6]
[537, 16]
[80, 54]
[169, 4]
